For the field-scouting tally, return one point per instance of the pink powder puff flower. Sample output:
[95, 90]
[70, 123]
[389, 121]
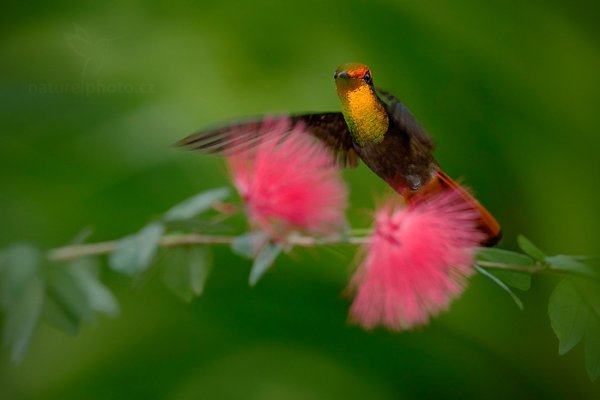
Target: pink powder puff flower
[417, 261]
[289, 182]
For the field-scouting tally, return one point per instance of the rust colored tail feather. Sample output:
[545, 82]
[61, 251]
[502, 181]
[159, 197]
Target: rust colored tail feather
[487, 223]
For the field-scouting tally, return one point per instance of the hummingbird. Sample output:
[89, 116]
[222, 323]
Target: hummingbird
[373, 126]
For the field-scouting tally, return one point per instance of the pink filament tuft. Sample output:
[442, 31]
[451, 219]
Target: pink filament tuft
[416, 262]
[289, 182]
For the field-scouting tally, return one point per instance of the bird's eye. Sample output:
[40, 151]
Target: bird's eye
[367, 78]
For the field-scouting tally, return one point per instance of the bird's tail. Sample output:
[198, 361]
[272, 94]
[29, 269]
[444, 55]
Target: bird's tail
[487, 223]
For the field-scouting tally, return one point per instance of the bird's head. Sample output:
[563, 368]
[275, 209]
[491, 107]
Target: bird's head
[352, 76]
[364, 114]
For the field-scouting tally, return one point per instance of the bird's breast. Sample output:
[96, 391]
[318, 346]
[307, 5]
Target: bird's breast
[399, 162]
[365, 116]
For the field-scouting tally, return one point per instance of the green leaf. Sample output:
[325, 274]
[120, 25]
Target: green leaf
[519, 280]
[174, 272]
[195, 205]
[568, 315]
[65, 290]
[57, 316]
[100, 298]
[199, 269]
[185, 271]
[22, 317]
[530, 249]
[589, 290]
[574, 310]
[592, 349]
[248, 244]
[503, 256]
[74, 293]
[264, 259]
[19, 265]
[22, 292]
[135, 253]
[572, 265]
[498, 282]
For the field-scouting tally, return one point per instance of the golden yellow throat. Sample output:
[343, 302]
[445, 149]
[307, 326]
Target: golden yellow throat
[363, 112]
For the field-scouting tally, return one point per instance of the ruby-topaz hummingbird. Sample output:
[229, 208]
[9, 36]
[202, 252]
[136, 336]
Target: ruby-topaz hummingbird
[374, 126]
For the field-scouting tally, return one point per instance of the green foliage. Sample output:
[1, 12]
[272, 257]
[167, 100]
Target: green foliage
[574, 309]
[264, 259]
[185, 271]
[504, 286]
[195, 205]
[573, 265]
[66, 292]
[22, 318]
[134, 253]
[18, 265]
[568, 315]
[22, 294]
[507, 257]
[518, 280]
[592, 348]
[505, 277]
[248, 244]
[85, 272]
[64, 296]
[530, 249]
[55, 314]
[75, 293]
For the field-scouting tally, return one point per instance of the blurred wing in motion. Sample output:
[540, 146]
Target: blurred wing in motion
[404, 119]
[329, 128]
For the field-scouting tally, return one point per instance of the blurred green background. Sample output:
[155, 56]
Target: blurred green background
[509, 90]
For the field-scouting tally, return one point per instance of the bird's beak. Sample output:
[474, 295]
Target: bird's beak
[341, 74]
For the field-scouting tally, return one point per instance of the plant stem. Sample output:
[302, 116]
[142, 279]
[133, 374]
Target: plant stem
[75, 251]
[72, 252]
[511, 267]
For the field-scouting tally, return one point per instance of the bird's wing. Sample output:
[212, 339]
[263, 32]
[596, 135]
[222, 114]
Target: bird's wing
[404, 119]
[329, 128]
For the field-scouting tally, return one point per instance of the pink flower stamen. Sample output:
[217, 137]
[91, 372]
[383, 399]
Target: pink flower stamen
[416, 263]
[289, 182]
